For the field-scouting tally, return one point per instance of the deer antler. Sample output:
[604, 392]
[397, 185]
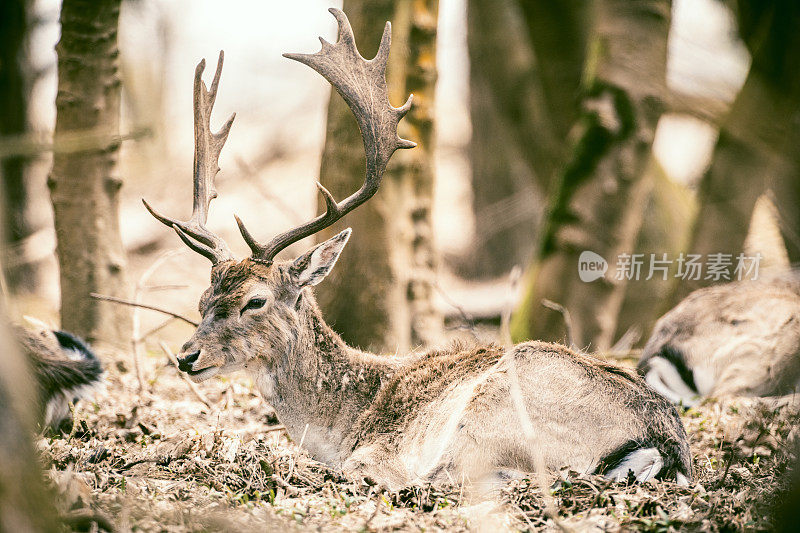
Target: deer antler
[207, 147]
[362, 84]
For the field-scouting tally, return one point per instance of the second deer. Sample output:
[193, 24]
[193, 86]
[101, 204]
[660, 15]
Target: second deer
[737, 339]
[457, 414]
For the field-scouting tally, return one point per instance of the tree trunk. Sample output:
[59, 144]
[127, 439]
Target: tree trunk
[84, 186]
[757, 145]
[518, 132]
[379, 296]
[509, 135]
[558, 33]
[598, 201]
[14, 88]
[670, 210]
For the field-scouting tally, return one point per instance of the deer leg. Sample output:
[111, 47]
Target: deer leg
[376, 464]
[645, 463]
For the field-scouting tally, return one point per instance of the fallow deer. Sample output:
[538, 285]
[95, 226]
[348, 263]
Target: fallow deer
[24, 504]
[64, 369]
[739, 338]
[445, 415]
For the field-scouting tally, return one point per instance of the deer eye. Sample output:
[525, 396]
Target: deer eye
[254, 303]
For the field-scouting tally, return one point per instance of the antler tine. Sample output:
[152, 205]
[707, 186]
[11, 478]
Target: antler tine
[362, 84]
[207, 148]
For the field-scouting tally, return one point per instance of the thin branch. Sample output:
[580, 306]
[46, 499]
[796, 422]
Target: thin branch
[567, 320]
[199, 395]
[250, 175]
[517, 401]
[711, 110]
[630, 355]
[33, 144]
[285, 485]
[295, 452]
[6, 299]
[505, 318]
[378, 502]
[469, 321]
[156, 329]
[624, 346]
[529, 433]
[154, 288]
[136, 342]
[122, 301]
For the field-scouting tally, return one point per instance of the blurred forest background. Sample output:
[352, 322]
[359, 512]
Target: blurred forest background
[544, 129]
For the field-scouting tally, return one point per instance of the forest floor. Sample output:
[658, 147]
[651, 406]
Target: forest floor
[163, 460]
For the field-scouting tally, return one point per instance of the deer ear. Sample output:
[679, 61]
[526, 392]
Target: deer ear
[312, 267]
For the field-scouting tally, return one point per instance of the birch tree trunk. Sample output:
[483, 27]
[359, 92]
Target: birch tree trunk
[758, 141]
[84, 186]
[597, 203]
[379, 296]
[14, 89]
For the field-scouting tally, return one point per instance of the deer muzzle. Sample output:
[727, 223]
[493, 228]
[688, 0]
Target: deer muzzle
[185, 363]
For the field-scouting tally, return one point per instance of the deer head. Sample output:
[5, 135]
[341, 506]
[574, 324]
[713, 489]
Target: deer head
[260, 294]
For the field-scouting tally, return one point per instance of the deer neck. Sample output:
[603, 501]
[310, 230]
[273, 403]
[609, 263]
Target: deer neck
[319, 385]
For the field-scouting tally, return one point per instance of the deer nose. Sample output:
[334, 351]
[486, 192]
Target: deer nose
[185, 364]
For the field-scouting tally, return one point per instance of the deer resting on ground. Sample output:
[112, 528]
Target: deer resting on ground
[443, 416]
[64, 369]
[740, 338]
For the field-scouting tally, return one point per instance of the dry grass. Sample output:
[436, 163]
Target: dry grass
[164, 461]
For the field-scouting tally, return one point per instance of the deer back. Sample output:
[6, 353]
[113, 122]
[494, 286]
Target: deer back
[64, 368]
[737, 338]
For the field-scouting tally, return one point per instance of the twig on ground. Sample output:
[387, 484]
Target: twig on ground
[567, 320]
[294, 453]
[199, 395]
[525, 517]
[128, 466]
[378, 501]
[282, 483]
[143, 306]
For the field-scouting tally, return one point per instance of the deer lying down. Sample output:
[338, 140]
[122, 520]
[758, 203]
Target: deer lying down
[65, 370]
[740, 338]
[440, 416]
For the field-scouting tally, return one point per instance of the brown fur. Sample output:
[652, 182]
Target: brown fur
[740, 338]
[437, 416]
[25, 505]
[60, 377]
